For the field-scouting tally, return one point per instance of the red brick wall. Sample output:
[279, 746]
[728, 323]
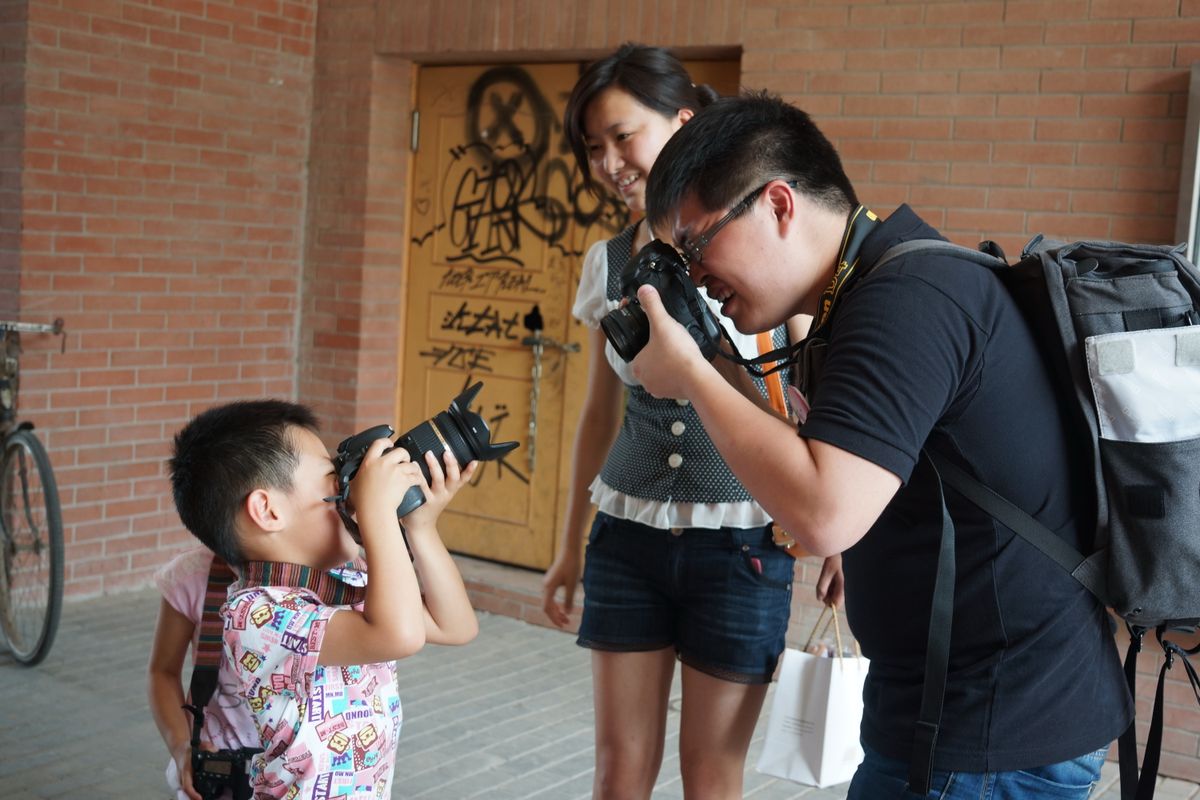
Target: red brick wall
[994, 119]
[163, 192]
[356, 249]
[12, 136]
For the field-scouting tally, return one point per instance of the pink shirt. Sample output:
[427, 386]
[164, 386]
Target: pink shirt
[183, 582]
[326, 731]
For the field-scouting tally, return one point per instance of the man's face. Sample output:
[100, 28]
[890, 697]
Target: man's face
[738, 264]
[765, 264]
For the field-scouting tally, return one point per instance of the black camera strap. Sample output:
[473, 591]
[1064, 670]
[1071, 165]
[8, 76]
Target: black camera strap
[206, 661]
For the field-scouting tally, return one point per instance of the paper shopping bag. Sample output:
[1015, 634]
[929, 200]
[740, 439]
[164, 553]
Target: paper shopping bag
[812, 732]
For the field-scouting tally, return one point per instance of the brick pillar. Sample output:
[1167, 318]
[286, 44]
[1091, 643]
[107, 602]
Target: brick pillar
[13, 17]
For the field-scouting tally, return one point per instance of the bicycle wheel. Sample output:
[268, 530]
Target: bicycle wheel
[31, 537]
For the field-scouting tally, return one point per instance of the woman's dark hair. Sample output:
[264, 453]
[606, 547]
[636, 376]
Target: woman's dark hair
[651, 75]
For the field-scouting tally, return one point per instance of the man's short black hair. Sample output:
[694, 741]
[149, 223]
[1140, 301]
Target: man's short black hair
[737, 144]
[223, 455]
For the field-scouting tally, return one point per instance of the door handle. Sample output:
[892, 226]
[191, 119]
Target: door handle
[538, 343]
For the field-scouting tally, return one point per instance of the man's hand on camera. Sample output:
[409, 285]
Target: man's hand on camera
[671, 358]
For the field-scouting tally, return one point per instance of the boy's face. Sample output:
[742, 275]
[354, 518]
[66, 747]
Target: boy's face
[320, 537]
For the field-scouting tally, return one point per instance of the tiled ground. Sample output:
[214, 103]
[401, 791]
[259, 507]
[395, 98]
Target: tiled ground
[505, 718]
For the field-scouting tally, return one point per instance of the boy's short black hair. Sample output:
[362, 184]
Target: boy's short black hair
[739, 143]
[227, 452]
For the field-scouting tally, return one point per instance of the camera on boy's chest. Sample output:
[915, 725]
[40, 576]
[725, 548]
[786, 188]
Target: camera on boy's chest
[214, 772]
[658, 264]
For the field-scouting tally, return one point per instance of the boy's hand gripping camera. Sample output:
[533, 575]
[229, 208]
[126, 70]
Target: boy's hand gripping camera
[458, 429]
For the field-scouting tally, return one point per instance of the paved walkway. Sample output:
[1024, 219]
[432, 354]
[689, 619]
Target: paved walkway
[505, 718]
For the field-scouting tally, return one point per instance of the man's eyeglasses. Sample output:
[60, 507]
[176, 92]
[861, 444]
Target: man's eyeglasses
[693, 250]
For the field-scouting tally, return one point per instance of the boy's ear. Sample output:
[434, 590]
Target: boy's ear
[263, 511]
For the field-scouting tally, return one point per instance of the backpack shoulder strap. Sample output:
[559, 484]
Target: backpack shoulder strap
[1089, 571]
[938, 246]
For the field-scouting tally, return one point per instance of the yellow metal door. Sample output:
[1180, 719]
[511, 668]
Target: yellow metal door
[500, 223]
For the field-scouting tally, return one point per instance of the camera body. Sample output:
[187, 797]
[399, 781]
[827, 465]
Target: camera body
[214, 772]
[458, 429]
[659, 265]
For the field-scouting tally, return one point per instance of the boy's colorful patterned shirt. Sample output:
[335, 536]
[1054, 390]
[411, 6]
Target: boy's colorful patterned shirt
[326, 732]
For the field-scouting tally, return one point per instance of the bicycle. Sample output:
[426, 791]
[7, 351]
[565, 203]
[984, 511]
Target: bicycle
[31, 535]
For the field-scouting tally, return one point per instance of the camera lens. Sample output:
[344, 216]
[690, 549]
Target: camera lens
[458, 429]
[627, 329]
[421, 439]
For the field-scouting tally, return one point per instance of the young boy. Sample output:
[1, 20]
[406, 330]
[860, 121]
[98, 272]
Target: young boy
[314, 650]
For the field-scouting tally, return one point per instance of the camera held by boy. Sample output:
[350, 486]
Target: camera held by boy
[311, 640]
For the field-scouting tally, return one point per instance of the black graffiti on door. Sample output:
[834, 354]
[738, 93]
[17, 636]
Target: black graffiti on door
[457, 356]
[486, 322]
[504, 189]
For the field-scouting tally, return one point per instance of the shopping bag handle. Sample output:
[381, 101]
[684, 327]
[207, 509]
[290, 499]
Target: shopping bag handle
[837, 631]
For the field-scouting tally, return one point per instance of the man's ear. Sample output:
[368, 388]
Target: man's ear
[782, 203]
[263, 510]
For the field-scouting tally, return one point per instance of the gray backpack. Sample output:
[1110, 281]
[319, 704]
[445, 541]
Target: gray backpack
[1119, 329]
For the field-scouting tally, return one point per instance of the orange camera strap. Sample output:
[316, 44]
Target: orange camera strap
[774, 381]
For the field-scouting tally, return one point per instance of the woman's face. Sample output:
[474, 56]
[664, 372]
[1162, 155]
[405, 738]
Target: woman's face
[623, 139]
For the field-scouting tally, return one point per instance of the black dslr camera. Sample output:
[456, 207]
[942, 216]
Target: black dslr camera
[659, 265]
[458, 429]
[214, 772]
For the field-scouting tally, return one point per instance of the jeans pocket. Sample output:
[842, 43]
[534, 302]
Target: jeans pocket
[1066, 780]
[767, 566]
[601, 524]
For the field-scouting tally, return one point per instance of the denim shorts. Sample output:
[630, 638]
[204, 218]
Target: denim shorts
[721, 597]
[882, 778]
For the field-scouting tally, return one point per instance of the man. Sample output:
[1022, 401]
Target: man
[926, 352]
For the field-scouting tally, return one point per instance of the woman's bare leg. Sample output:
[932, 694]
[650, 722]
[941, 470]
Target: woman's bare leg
[631, 691]
[715, 728]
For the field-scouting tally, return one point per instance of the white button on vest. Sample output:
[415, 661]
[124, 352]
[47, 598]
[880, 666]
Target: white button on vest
[677, 427]
[681, 402]
[674, 460]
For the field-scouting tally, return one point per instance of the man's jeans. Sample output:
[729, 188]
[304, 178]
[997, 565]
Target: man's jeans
[880, 778]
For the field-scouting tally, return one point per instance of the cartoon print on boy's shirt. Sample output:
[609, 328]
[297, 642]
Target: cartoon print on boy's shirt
[330, 731]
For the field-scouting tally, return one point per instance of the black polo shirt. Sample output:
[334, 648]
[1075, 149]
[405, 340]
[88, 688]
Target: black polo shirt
[930, 350]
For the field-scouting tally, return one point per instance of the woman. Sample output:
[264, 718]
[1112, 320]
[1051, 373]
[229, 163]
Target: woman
[680, 559]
